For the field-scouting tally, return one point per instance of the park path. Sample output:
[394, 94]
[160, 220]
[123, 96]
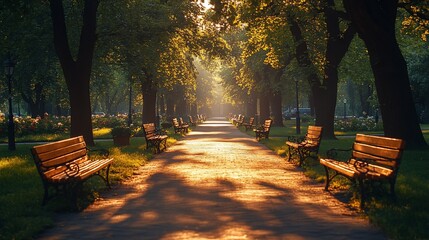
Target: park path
[216, 183]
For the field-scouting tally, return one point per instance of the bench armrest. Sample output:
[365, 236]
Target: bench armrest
[333, 152]
[72, 169]
[361, 165]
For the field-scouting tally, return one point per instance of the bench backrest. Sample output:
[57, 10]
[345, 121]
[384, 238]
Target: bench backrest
[251, 120]
[242, 119]
[149, 130]
[181, 121]
[382, 151]
[191, 120]
[267, 125]
[175, 123]
[314, 134]
[50, 158]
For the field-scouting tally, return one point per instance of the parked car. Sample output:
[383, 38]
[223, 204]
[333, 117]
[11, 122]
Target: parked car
[292, 113]
[98, 114]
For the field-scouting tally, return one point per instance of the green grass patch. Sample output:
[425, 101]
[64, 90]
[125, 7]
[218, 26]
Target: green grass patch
[21, 189]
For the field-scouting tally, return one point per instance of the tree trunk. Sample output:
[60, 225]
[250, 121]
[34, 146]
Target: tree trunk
[251, 106]
[170, 105]
[149, 104]
[375, 23]
[264, 106]
[161, 104]
[181, 106]
[77, 73]
[276, 109]
[36, 105]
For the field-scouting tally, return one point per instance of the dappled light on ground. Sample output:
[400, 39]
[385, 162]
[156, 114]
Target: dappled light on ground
[218, 183]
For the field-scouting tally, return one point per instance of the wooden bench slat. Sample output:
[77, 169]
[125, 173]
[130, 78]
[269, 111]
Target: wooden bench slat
[64, 159]
[387, 142]
[344, 167]
[92, 166]
[380, 160]
[379, 152]
[59, 144]
[61, 151]
[382, 171]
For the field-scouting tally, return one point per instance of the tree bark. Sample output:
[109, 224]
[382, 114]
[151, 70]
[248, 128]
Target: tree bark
[36, 105]
[251, 106]
[276, 109]
[264, 106]
[77, 73]
[170, 105]
[149, 101]
[375, 23]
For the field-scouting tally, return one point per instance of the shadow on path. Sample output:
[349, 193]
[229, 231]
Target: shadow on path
[217, 183]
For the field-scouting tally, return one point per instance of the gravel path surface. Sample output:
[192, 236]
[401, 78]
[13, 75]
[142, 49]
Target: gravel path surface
[216, 183]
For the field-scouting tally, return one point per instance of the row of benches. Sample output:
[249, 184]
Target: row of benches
[65, 165]
[262, 131]
[372, 158]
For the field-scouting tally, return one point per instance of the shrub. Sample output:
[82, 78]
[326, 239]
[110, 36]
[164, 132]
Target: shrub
[121, 131]
[357, 124]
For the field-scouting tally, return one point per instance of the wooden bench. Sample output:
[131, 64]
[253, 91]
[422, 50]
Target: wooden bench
[305, 147]
[65, 165]
[177, 127]
[249, 125]
[200, 118]
[183, 124]
[191, 121]
[373, 158]
[240, 121]
[235, 119]
[154, 138]
[264, 130]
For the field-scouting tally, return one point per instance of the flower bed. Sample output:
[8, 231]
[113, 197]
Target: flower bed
[357, 124]
[54, 124]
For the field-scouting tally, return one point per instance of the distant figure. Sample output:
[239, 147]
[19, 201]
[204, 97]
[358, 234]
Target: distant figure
[365, 114]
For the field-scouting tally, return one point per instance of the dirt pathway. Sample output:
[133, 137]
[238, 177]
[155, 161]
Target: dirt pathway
[217, 183]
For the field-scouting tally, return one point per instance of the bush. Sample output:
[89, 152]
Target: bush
[357, 124]
[27, 125]
[121, 131]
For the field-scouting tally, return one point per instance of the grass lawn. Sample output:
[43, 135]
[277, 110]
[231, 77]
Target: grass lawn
[405, 218]
[22, 216]
[21, 190]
